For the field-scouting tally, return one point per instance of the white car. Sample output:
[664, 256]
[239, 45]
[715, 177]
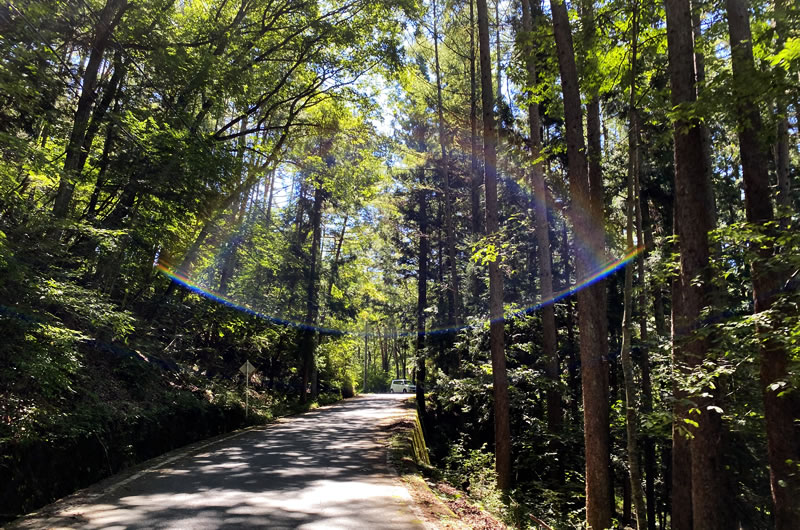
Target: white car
[402, 386]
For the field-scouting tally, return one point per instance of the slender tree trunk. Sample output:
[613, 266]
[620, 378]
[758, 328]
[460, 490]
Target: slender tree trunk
[268, 214]
[475, 182]
[231, 256]
[591, 310]
[108, 18]
[105, 158]
[454, 295]
[502, 429]
[422, 292]
[782, 164]
[681, 461]
[337, 254]
[700, 79]
[572, 358]
[647, 389]
[631, 413]
[309, 342]
[499, 64]
[693, 222]
[109, 93]
[784, 199]
[780, 412]
[549, 334]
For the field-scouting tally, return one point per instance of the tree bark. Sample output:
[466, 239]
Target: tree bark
[681, 457]
[231, 252]
[422, 292]
[783, 434]
[573, 363]
[782, 160]
[549, 334]
[631, 412]
[454, 295]
[337, 254]
[475, 181]
[644, 344]
[502, 429]
[700, 79]
[309, 342]
[591, 310]
[693, 222]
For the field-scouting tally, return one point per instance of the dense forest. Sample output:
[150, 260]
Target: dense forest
[573, 225]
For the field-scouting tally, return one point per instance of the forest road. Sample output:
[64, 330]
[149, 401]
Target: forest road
[323, 469]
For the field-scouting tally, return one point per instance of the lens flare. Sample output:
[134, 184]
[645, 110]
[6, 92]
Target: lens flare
[515, 181]
[172, 273]
[201, 290]
[606, 270]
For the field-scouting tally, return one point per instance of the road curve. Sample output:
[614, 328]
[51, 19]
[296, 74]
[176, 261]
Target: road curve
[323, 469]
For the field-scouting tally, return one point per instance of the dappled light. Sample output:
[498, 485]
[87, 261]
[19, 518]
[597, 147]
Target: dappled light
[236, 234]
[324, 469]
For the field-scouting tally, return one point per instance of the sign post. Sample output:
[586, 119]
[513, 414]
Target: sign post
[247, 369]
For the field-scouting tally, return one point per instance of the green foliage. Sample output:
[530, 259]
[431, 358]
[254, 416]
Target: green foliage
[472, 470]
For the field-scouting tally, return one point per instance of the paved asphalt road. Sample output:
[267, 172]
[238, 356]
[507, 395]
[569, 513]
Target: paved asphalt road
[323, 469]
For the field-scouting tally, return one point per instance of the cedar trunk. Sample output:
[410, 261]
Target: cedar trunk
[454, 290]
[783, 435]
[591, 309]
[693, 222]
[631, 412]
[554, 414]
[309, 342]
[422, 292]
[502, 429]
[475, 181]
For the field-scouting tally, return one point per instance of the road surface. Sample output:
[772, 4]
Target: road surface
[323, 469]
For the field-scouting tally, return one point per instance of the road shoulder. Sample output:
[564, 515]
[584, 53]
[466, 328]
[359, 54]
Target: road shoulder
[439, 506]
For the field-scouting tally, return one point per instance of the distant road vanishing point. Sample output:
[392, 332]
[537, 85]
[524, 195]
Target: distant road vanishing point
[323, 469]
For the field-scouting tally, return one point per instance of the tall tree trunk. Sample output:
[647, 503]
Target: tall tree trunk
[454, 290]
[268, 214]
[502, 428]
[422, 292]
[573, 364]
[231, 254]
[700, 80]
[647, 388]
[309, 342]
[782, 141]
[337, 254]
[554, 413]
[499, 52]
[631, 413]
[693, 222]
[782, 164]
[108, 18]
[681, 457]
[475, 181]
[783, 434]
[591, 310]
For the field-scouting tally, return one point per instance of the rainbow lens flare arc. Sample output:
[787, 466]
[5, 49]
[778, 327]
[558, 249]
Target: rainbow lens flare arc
[177, 276]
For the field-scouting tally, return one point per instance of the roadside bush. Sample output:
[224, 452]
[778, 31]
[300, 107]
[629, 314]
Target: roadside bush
[348, 387]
